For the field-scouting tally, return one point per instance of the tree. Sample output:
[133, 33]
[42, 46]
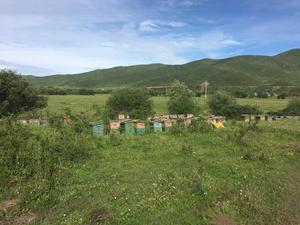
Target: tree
[181, 99]
[241, 93]
[86, 92]
[282, 96]
[223, 104]
[17, 95]
[293, 108]
[135, 102]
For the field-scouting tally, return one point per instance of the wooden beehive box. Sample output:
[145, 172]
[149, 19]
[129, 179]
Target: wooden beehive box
[34, 121]
[121, 116]
[187, 121]
[114, 125]
[245, 118]
[190, 115]
[260, 118]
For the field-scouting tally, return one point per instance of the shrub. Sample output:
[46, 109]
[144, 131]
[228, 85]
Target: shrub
[200, 126]
[17, 152]
[282, 96]
[86, 92]
[17, 95]
[181, 99]
[241, 130]
[135, 102]
[37, 154]
[293, 108]
[223, 104]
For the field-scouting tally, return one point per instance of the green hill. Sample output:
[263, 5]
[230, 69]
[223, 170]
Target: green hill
[281, 70]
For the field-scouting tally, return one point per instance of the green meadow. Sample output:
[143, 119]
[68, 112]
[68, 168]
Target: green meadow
[182, 177]
[79, 103]
[245, 174]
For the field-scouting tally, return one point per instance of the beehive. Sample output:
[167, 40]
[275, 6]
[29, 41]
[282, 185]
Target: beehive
[114, 127]
[167, 125]
[140, 128]
[97, 128]
[157, 127]
[128, 128]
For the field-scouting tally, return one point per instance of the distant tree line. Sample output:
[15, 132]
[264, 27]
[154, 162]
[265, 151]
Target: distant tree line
[69, 91]
[263, 92]
[238, 92]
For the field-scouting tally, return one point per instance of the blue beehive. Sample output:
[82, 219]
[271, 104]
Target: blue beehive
[97, 128]
[157, 127]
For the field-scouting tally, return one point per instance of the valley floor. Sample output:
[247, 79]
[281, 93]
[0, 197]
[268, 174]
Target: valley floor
[79, 103]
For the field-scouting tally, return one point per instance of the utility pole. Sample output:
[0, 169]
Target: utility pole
[204, 87]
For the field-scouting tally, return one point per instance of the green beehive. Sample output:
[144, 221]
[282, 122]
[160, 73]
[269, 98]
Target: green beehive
[128, 128]
[140, 128]
[157, 127]
[97, 128]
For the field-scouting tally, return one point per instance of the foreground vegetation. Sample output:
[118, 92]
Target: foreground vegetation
[182, 177]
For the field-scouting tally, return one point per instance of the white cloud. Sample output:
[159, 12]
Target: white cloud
[154, 25]
[102, 35]
[210, 44]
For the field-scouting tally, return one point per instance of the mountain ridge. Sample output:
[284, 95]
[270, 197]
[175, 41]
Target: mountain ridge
[247, 70]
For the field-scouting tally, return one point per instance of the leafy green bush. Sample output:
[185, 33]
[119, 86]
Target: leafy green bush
[200, 126]
[223, 104]
[282, 96]
[18, 152]
[17, 95]
[35, 155]
[241, 130]
[180, 99]
[293, 108]
[135, 102]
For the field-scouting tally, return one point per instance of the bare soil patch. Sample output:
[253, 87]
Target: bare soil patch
[21, 220]
[99, 216]
[4, 206]
[224, 219]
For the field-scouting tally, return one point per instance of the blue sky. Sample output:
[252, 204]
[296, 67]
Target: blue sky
[70, 36]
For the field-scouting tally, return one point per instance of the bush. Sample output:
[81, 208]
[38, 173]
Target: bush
[223, 104]
[241, 93]
[293, 108]
[200, 126]
[17, 95]
[282, 96]
[36, 155]
[240, 131]
[18, 152]
[181, 99]
[135, 102]
[86, 92]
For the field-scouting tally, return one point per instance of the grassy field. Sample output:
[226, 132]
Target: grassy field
[87, 103]
[180, 178]
[244, 174]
